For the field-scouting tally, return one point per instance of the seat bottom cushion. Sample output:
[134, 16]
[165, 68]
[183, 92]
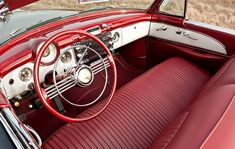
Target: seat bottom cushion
[139, 111]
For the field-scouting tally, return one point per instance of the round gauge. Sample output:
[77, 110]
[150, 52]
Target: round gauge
[66, 57]
[50, 55]
[116, 37]
[46, 53]
[25, 74]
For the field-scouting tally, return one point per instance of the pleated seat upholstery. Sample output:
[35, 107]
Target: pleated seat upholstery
[139, 112]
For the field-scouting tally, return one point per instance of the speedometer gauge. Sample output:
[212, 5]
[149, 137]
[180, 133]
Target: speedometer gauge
[50, 54]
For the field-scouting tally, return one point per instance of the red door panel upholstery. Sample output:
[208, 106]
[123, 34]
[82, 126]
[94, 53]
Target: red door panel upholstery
[159, 51]
[140, 110]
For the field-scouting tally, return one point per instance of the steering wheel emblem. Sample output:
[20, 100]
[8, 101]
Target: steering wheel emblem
[84, 76]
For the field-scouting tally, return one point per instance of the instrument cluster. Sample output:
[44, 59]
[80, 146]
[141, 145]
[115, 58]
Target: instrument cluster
[21, 80]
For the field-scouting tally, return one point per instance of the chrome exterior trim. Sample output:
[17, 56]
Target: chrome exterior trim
[17, 131]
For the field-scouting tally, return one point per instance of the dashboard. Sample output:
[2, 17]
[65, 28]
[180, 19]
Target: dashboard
[20, 80]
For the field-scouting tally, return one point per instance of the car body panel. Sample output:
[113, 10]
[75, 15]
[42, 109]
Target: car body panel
[14, 4]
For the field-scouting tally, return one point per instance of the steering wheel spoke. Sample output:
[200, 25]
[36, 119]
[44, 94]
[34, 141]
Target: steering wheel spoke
[62, 85]
[100, 65]
[82, 56]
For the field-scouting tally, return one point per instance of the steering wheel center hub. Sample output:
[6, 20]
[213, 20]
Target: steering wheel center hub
[84, 76]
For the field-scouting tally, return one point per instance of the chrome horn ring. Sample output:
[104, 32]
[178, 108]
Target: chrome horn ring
[78, 79]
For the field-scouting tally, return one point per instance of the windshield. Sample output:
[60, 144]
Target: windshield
[46, 11]
[83, 5]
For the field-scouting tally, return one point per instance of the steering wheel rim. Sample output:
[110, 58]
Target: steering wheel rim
[41, 92]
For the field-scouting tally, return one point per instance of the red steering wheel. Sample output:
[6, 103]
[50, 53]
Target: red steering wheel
[42, 94]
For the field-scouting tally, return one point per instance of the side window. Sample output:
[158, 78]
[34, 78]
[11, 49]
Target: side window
[216, 12]
[173, 7]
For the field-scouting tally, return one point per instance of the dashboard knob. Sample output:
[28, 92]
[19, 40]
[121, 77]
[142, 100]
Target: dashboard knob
[105, 25]
[16, 104]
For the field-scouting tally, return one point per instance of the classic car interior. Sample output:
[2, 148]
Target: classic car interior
[115, 78]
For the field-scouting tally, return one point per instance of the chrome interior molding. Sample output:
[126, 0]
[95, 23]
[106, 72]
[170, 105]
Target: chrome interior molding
[17, 131]
[186, 37]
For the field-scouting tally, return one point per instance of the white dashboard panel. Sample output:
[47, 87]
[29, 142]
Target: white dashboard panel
[134, 32]
[187, 37]
[19, 86]
[126, 35]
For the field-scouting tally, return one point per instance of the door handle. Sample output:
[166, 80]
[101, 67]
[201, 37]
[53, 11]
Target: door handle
[188, 35]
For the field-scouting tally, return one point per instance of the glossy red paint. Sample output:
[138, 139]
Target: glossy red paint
[13, 59]
[44, 98]
[176, 21]
[4, 102]
[137, 16]
[127, 17]
[14, 4]
[2, 5]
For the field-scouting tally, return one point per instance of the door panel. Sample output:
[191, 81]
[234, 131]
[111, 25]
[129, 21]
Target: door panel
[183, 36]
[225, 36]
[160, 50]
[211, 49]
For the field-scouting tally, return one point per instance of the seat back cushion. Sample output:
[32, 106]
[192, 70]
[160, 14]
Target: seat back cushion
[198, 122]
[139, 111]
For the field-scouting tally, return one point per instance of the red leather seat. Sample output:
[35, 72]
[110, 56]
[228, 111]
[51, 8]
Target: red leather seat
[140, 111]
[209, 121]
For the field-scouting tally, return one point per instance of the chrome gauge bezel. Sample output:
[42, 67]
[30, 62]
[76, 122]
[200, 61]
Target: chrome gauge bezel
[23, 71]
[50, 55]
